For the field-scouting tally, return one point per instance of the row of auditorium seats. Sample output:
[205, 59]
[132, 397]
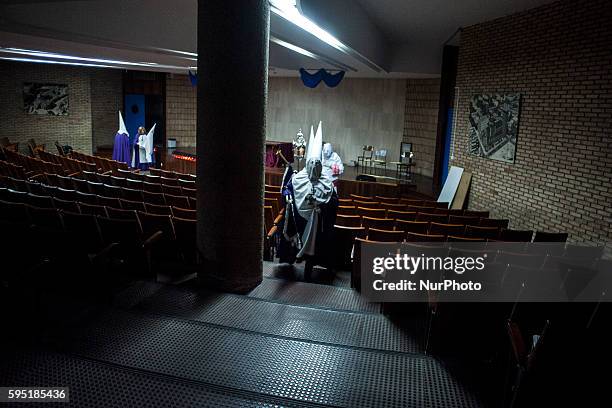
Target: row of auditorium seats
[102, 164]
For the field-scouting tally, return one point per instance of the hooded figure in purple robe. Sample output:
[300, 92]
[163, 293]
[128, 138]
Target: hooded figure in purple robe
[142, 155]
[121, 147]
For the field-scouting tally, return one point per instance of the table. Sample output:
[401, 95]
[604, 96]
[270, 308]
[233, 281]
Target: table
[403, 171]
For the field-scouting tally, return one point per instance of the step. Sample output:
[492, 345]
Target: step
[268, 365]
[350, 329]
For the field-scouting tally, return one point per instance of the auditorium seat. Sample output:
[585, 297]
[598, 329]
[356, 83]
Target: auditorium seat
[453, 238]
[392, 206]
[92, 209]
[371, 212]
[132, 205]
[109, 202]
[131, 194]
[342, 244]
[463, 219]
[40, 201]
[510, 235]
[173, 190]
[411, 202]
[477, 214]
[14, 213]
[82, 230]
[414, 237]
[104, 178]
[65, 205]
[36, 188]
[346, 210]
[177, 200]
[472, 231]
[120, 214]
[383, 235]
[85, 197]
[541, 236]
[379, 223]
[151, 178]
[65, 182]
[134, 184]
[151, 198]
[419, 227]
[167, 248]
[80, 185]
[129, 239]
[95, 188]
[152, 187]
[345, 202]
[388, 200]
[157, 209]
[118, 181]
[112, 191]
[166, 181]
[402, 215]
[493, 222]
[348, 220]
[446, 229]
[361, 198]
[193, 203]
[185, 213]
[90, 176]
[366, 204]
[186, 237]
[48, 218]
[189, 192]
[420, 209]
[439, 218]
[190, 183]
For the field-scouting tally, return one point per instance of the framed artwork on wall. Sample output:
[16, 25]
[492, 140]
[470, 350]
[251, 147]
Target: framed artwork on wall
[45, 99]
[493, 129]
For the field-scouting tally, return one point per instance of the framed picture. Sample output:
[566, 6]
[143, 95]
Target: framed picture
[405, 150]
[45, 99]
[493, 129]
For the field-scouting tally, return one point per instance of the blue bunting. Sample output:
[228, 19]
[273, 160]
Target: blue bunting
[193, 78]
[312, 80]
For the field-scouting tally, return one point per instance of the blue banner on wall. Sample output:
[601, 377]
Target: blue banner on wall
[193, 78]
[312, 80]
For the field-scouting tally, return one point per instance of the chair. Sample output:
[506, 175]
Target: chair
[453, 238]
[16, 196]
[153, 198]
[191, 184]
[515, 235]
[152, 187]
[463, 219]
[96, 188]
[348, 220]
[392, 206]
[344, 237]
[411, 202]
[419, 227]
[36, 188]
[402, 215]
[427, 217]
[151, 178]
[14, 213]
[186, 238]
[187, 213]
[65, 182]
[120, 214]
[90, 176]
[189, 192]
[132, 195]
[362, 198]
[70, 206]
[478, 214]
[118, 181]
[177, 201]
[132, 205]
[193, 203]
[128, 239]
[48, 218]
[85, 198]
[169, 181]
[80, 185]
[366, 204]
[380, 161]
[134, 184]
[157, 209]
[63, 194]
[541, 236]
[82, 231]
[109, 202]
[371, 212]
[173, 190]
[346, 210]
[446, 229]
[493, 222]
[378, 223]
[414, 237]
[5, 143]
[112, 191]
[365, 159]
[92, 209]
[153, 224]
[388, 200]
[473, 231]
[60, 149]
[40, 201]
[345, 202]
[382, 235]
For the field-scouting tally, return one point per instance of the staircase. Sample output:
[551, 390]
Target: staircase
[287, 343]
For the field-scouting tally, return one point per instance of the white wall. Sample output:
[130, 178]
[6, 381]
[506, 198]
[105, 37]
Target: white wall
[355, 113]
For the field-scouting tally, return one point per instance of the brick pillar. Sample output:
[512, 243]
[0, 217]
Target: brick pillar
[232, 92]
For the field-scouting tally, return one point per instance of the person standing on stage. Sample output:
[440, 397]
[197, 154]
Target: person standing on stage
[142, 156]
[332, 161]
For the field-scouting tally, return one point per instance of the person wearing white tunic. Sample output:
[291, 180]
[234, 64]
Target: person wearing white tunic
[142, 156]
[332, 161]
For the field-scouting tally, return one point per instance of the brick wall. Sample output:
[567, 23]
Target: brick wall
[558, 57]
[421, 121]
[106, 101]
[94, 97]
[181, 109]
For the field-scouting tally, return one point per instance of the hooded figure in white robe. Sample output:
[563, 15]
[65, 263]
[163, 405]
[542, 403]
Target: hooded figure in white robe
[142, 156]
[332, 161]
[314, 203]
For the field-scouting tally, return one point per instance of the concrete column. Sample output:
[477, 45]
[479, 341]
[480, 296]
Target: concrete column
[231, 125]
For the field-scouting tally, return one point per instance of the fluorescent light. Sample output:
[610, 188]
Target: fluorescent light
[288, 10]
[79, 64]
[83, 61]
[293, 47]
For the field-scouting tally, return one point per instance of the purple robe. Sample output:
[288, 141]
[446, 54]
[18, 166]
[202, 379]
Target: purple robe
[121, 148]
